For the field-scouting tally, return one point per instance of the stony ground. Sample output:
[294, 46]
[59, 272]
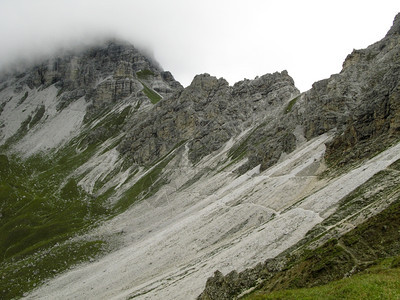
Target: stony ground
[219, 222]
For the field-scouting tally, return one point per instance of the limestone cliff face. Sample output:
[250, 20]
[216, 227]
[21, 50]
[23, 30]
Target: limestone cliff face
[92, 81]
[361, 102]
[207, 114]
[104, 74]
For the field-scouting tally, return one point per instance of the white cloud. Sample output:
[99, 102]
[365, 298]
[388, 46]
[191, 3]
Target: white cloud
[230, 39]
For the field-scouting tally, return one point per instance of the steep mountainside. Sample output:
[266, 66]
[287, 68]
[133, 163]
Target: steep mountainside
[117, 182]
[78, 87]
[207, 114]
[361, 104]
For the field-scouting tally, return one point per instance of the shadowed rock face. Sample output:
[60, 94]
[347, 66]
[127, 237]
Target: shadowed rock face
[361, 102]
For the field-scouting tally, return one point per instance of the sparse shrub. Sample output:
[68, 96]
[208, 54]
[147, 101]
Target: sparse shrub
[290, 105]
[143, 74]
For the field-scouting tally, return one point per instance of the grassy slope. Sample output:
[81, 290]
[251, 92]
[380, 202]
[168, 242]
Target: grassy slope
[378, 282]
[152, 95]
[42, 208]
[40, 214]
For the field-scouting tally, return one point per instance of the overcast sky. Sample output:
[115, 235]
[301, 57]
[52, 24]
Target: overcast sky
[226, 38]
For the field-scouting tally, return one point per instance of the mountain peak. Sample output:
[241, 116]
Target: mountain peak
[395, 29]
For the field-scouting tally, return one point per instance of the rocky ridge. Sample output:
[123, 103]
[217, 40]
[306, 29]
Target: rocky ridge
[92, 80]
[362, 101]
[103, 74]
[207, 113]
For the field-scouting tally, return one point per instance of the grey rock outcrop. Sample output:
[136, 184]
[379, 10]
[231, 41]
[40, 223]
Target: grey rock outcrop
[231, 285]
[206, 114]
[104, 74]
[361, 102]
[395, 29]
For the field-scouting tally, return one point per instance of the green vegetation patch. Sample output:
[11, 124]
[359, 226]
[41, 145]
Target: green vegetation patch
[238, 151]
[144, 74]
[42, 207]
[40, 212]
[35, 215]
[152, 95]
[19, 277]
[60, 91]
[114, 121]
[384, 185]
[145, 187]
[290, 105]
[378, 282]
[111, 125]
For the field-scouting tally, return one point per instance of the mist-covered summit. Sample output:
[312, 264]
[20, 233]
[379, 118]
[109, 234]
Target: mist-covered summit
[103, 73]
[89, 81]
